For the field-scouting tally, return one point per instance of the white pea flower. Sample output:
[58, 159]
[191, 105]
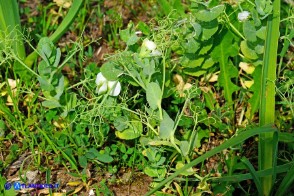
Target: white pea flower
[155, 53]
[100, 79]
[149, 49]
[114, 87]
[243, 16]
[103, 85]
[150, 45]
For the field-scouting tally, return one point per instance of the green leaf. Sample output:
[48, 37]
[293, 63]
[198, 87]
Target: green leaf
[263, 7]
[45, 84]
[221, 53]
[134, 131]
[194, 73]
[184, 146]
[200, 135]
[208, 63]
[248, 52]
[51, 104]
[209, 29]
[191, 46]
[209, 15]
[82, 161]
[121, 123]
[249, 31]
[45, 49]
[144, 28]
[153, 94]
[187, 172]
[111, 71]
[261, 33]
[59, 88]
[128, 35]
[155, 172]
[105, 158]
[197, 29]
[166, 126]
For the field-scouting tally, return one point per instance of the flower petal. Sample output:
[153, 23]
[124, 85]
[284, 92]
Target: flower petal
[114, 87]
[150, 45]
[155, 53]
[100, 79]
[102, 89]
[242, 16]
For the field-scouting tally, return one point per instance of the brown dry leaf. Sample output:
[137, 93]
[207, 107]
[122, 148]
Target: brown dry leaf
[43, 191]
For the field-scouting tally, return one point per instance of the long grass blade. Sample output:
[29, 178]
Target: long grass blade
[241, 177]
[254, 175]
[287, 182]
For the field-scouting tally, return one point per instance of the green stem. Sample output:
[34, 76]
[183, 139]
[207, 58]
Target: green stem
[267, 98]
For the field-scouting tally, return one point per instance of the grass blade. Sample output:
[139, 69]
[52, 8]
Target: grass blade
[241, 177]
[254, 175]
[287, 182]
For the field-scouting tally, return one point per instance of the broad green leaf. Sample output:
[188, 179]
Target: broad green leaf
[259, 49]
[208, 63]
[45, 48]
[105, 158]
[191, 46]
[166, 127]
[209, 29]
[264, 7]
[149, 67]
[121, 123]
[261, 33]
[187, 172]
[59, 88]
[45, 84]
[194, 73]
[128, 35]
[200, 135]
[111, 71]
[82, 161]
[153, 94]
[155, 172]
[184, 146]
[249, 31]
[221, 53]
[134, 131]
[209, 100]
[51, 104]
[197, 29]
[206, 47]
[248, 52]
[144, 28]
[194, 63]
[209, 15]
[132, 39]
